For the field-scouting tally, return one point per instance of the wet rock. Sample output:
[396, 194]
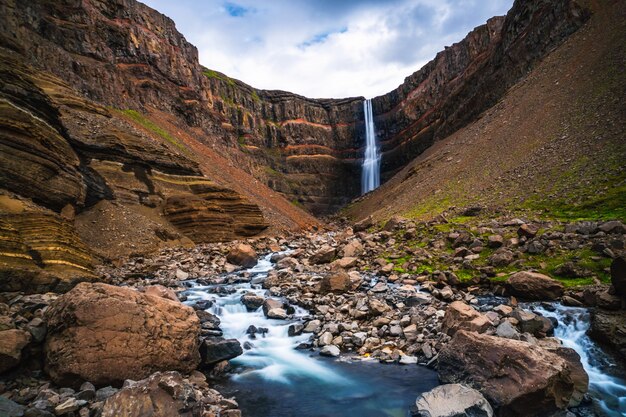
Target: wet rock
[330, 350]
[12, 342]
[609, 329]
[462, 316]
[295, 329]
[452, 400]
[242, 255]
[517, 378]
[252, 301]
[216, 349]
[277, 313]
[534, 286]
[272, 304]
[136, 334]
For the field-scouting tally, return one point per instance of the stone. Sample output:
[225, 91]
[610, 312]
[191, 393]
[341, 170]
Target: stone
[324, 255]
[363, 224]
[161, 291]
[277, 313]
[452, 400]
[252, 301]
[330, 350]
[242, 255]
[534, 286]
[613, 226]
[608, 328]
[12, 342]
[353, 249]
[459, 315]
[527, 230]
[517, 378]
[217, 349]
[570, 301]
[495, 241]
[618, 276]
[608, 301]
[312, 326]
[165, 394]
[346, 262]
[68, 406]
[377, 307]
[507, 330]
[407, 360]
[105, 334]
[336, 282]
[325, 339]
[181, 275]
[10, 408]
[272, 304]
[501, 257]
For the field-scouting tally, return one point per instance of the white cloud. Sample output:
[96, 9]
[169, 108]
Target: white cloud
[325, 48]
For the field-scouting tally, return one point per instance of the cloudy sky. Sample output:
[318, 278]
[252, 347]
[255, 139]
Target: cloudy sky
[325, 48]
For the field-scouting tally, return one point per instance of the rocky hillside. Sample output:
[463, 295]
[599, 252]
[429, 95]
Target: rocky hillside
[553, 144]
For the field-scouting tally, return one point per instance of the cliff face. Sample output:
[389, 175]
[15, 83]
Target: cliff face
[109, 125]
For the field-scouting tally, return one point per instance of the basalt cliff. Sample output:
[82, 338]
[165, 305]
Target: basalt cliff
[115, 140]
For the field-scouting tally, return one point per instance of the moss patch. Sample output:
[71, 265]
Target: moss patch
[152, 127]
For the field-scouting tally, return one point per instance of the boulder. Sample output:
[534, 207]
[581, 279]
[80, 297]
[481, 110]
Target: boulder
[363, 224]
[345, 263]
[353, 249]
[10, 408]
[330, 350]
[618, 276]
[336, 282]
[242, 255]
[217, 349]
[527, 230]
[534, 286]
[252, 301]
[12, 342]
[517, 378]
[106, 334]
[462, 316]
[166, 394]
[324, 255]
[609, 329]
[452, 400]
[272, 304]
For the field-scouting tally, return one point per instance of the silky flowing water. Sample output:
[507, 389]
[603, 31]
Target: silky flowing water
[274, 379]
[607, 389]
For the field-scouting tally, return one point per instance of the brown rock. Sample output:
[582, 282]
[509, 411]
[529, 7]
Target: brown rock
[242, 255]
[534, 286]
[337, 282]
[517, 378]
[462, 316]
[12, 342]
[164, 394]
[105, 334]
[160, 291]
[527, 230]
[323, 256]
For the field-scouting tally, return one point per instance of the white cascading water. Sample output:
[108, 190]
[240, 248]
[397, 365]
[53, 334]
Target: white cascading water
[370, 175]
[272, 357]
[609, 392]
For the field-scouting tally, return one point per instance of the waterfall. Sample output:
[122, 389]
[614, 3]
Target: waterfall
[607, 390]
[370, 176]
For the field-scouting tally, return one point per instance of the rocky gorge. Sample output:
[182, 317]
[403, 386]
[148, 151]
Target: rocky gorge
[160, 253]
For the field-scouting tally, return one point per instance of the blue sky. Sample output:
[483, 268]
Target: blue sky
[325, 48]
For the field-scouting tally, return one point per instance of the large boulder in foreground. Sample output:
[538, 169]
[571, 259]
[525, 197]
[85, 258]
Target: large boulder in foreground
[517, 378]
[452, 400]
[105, 334]
[534, 286]
[242, 255]
[462, 316]
[168, 394]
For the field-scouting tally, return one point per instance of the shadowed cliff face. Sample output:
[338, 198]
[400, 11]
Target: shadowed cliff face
[127, 56]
